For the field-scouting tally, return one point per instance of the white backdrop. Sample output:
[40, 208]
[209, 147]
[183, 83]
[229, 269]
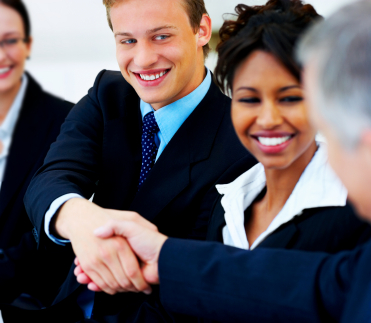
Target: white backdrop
[72, 41]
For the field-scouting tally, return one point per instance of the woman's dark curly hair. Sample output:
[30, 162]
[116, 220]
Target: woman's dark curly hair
[274, 28]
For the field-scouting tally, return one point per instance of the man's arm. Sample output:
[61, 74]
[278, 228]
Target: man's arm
[233, 285]
[72, 166]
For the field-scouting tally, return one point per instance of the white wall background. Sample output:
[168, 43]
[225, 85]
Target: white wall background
[72, 41]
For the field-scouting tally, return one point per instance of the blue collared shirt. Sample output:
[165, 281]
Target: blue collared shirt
[169, 119]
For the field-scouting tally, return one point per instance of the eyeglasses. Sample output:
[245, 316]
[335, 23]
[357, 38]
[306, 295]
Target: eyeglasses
[11, 43]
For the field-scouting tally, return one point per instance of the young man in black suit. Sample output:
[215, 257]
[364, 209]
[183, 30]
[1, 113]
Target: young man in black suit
[154, 139]
[267, 285]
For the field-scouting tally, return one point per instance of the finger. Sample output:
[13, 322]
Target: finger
[78, 270]
[116, 266]
[77, 262]
[102, 277]
[131, 267]
[93, 287]
[83, 279]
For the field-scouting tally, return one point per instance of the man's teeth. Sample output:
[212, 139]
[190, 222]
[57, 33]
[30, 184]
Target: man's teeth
[4, 70]
[151, 77]
[273, 141]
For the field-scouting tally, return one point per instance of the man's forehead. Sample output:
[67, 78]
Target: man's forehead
[147, 16]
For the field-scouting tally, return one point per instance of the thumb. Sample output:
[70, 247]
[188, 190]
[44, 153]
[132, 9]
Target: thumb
[125, 229]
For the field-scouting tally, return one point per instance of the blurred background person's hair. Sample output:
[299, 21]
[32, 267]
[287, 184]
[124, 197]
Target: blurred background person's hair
[343, 35]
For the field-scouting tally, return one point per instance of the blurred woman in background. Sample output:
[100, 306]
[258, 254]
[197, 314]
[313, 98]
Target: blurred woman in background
[291, 198]
[30, 120]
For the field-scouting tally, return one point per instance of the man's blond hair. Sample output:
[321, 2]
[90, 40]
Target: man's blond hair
[194, 8]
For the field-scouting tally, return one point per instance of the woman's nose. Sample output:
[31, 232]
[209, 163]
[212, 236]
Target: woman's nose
[269, 116]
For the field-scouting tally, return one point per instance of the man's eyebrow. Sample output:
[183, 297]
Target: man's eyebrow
[154, 30]
[148, 32]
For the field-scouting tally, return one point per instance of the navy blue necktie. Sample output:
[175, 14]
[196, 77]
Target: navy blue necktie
[149, 148]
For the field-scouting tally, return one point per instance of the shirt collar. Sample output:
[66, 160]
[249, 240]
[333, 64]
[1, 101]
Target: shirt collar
[169, 118]
[318, 186]
[8, 125]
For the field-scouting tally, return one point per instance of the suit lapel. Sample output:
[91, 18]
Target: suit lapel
[192, 143]
[217, 222]
[282, 238]
[122, 147]
[25, 147]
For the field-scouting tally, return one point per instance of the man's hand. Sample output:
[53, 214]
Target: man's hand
[110, 263]
[145, 242]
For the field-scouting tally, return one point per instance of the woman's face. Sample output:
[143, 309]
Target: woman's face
[269, 112]
[13, 56]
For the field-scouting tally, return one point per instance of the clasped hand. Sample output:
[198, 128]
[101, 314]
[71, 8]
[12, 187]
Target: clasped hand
[120, 256]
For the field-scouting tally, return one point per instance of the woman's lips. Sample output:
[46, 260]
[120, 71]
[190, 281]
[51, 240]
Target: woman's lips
[5, 71]
[274, 143]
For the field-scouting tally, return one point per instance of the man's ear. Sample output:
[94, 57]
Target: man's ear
[205, 31]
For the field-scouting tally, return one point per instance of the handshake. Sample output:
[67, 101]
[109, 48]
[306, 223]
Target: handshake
[116, 251]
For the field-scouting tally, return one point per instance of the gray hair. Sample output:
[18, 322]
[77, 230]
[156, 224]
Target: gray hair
[340, 49]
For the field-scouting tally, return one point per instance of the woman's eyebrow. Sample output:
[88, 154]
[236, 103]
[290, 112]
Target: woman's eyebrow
[247, 88]
[283, 89]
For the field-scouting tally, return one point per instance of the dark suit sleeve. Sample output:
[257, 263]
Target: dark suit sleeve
[228, 284]
[72, 163]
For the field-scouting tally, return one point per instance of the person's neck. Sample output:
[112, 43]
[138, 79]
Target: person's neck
[6, 100]
[196, 81]
[281, 182]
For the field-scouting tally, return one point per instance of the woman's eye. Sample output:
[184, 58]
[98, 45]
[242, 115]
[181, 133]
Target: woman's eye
[292, 98]
[249, 100]
[128, 41]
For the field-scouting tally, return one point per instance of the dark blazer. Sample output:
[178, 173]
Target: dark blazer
[327, 229]
[226, 284]
[38, 125]
[99, 151]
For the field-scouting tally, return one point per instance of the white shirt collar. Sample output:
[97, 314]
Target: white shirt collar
[318, 186]
[8, 125]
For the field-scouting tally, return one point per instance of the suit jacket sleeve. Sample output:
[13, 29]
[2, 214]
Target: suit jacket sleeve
[72, 163]
[222, 283]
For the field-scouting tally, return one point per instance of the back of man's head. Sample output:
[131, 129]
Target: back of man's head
[194, 8]
[339, 50]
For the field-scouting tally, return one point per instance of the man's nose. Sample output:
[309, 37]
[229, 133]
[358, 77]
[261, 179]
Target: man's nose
[269, 116]
[145, 55]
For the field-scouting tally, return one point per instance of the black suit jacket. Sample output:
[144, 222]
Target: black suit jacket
[99, 151]
[226, 284]
[38, 125]
[327, 229]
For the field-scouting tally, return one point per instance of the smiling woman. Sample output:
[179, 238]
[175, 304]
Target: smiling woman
[30, 120]
[291, 198]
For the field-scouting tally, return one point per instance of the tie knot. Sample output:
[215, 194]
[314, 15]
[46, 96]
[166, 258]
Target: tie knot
[150, 124]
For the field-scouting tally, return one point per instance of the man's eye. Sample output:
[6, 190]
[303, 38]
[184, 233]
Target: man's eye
[129, 41]
[161, 37]
[292, 99]
[249, 100]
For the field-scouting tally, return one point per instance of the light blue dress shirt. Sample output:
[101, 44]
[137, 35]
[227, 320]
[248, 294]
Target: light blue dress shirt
[169, 119]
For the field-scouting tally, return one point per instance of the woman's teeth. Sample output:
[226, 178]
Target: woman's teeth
[151, 77]
[273, 141]
[4, 70]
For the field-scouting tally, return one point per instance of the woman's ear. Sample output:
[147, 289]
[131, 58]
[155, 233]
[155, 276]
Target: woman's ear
[205, 31]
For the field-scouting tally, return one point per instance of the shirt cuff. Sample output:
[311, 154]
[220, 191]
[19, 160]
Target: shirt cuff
[54, 207]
